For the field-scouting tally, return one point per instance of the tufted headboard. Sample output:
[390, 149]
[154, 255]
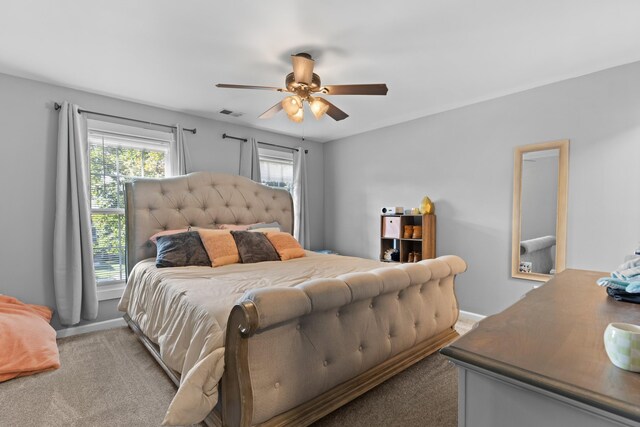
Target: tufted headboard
[200, 199]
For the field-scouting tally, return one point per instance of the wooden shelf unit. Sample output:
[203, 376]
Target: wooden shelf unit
[426, 246]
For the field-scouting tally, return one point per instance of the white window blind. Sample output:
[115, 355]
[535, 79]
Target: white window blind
[276, 168]
[115, 158]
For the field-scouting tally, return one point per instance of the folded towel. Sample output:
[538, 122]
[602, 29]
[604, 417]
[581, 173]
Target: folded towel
[630, 286]
[610, 282]
[627, 274]
[630, 263]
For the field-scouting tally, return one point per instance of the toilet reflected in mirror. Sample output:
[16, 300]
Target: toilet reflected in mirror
[539, 211]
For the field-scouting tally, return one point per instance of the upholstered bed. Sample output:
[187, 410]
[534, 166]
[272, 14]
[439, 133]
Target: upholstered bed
[273, 343]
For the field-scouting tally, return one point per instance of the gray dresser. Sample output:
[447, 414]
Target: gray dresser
[542, 362]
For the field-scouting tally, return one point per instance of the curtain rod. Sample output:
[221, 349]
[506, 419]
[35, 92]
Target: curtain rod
[193, 131]
[225, 136]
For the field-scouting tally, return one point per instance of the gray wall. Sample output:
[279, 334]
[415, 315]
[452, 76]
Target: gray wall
[27, 175]
[463, 159]
[539, 197]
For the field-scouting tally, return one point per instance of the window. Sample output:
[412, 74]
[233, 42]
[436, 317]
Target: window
[114, 159]
[276, 168]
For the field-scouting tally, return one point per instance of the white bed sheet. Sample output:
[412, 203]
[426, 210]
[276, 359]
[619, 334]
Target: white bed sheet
[185, 310]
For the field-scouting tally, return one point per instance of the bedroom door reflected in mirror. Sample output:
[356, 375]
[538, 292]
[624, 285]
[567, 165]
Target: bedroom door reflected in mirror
[540, 210]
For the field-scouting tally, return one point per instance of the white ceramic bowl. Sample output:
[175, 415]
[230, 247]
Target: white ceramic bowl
[622, 343]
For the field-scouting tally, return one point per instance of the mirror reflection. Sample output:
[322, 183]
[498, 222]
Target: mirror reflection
[539, 211]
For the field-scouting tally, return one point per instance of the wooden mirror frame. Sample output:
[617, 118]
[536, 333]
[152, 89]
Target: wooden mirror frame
[561, 210]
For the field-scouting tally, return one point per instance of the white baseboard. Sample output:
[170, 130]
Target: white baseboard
[91, 327]
[474, 317]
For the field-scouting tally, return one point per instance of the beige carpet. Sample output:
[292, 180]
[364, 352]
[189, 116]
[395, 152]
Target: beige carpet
[107, 378]
[424, 395]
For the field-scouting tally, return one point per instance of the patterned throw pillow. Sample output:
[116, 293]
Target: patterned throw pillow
[181, 250]
[220, 246]
[286, 245]
[254, 247]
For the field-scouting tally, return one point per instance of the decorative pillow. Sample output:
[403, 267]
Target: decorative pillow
[27, 340]
[220, 246]
[286, 245]
[254, 247]
[181, 250]
[235, 227]
[154, 238]
[265, 230]
[259, 225]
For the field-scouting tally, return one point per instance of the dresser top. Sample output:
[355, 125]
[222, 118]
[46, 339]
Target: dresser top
[553, 339]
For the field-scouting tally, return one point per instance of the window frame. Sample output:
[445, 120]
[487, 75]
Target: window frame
[129, 137]
[276, 156]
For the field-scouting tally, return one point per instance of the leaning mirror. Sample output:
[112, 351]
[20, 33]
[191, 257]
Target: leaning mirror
[540, 210]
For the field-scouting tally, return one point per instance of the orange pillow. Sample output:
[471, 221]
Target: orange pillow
[286, 245]
[27, 340]
[220, 246]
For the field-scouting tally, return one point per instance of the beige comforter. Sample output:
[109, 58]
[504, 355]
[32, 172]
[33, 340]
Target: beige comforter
[184, 310]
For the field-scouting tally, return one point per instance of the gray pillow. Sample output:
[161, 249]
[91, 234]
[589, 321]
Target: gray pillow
[274, 224]
[254, 247]
[181, 250]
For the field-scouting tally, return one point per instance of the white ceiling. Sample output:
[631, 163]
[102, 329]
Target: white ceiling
[433, 54]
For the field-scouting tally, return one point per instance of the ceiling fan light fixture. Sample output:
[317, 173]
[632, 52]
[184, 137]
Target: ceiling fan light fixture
[302, 84]
[318, 107]
[292, 104]
[296, 117]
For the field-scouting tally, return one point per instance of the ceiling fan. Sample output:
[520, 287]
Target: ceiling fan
[304, 84]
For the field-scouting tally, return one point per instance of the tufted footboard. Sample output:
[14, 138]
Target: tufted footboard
[295, 354]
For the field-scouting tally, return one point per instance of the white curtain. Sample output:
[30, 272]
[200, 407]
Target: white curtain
[74, 278]
[250, 160]
[301, 199]
[178, 153]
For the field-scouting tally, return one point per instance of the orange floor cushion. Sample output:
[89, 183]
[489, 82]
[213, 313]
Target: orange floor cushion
[27, 340]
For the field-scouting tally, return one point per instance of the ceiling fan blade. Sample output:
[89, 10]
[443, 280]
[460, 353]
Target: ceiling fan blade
[374, 89]
[271, 111]
[227, 86]
[335, 113]
[302, 68]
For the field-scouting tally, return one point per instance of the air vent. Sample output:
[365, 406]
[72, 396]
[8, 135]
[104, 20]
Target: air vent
[230, 113]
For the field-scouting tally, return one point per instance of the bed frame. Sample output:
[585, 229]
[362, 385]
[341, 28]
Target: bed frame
[293, 355]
